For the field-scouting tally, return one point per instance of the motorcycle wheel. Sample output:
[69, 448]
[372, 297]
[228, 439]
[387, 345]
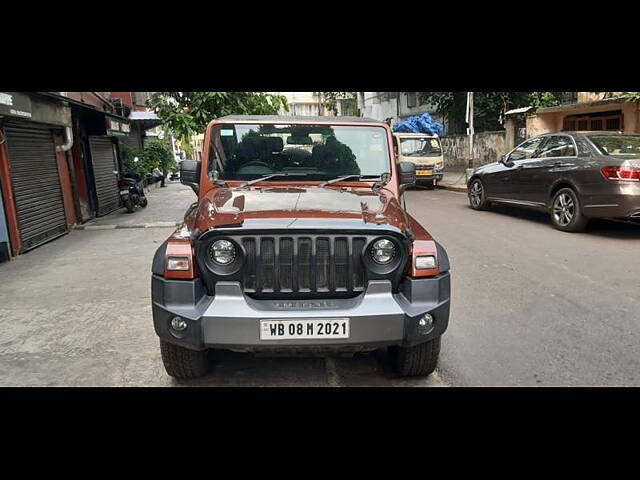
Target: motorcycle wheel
[129, 204]
[143, 202]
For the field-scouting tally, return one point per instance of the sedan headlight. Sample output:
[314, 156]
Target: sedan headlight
[383, 251]
[222, 252]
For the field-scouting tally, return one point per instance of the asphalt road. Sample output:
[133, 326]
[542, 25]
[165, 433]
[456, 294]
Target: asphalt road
[531, 306]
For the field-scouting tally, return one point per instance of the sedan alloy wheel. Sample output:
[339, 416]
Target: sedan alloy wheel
[564, 209]
[566, 214]
[477, 197]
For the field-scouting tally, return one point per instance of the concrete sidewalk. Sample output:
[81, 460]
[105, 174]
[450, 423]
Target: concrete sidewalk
[166, 208]
[454, 178]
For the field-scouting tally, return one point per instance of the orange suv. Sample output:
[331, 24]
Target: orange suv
[299, 243]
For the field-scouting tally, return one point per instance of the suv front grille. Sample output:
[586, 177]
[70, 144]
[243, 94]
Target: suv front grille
[303, 264]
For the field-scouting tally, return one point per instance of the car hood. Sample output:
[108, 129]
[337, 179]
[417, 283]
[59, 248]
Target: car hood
[488, 166]
[300, 207]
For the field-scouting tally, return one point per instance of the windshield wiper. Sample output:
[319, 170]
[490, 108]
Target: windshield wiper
[347, 177]
[267, 177]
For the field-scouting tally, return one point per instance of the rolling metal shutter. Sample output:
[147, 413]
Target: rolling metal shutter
[105, 172]
[36, 184]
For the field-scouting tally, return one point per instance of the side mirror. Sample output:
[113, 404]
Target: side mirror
[190, 174]
[505, 161]
[407, 171]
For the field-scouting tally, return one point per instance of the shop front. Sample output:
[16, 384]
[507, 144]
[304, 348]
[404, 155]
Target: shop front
[97, 160]
[34, 176]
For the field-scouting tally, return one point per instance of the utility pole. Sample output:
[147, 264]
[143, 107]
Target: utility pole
[470, 131]
[173, 145]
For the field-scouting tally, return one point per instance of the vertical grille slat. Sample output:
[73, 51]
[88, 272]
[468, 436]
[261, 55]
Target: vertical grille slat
[267, 261]
[322, 264]
[356, 262]
[285, 262]
[249, 276]
[303, 264]
[340, 262]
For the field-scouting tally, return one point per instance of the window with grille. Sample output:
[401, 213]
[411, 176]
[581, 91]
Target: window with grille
[613, 123]
[613, 120]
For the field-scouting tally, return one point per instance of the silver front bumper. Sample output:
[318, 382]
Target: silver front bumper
[231, 320]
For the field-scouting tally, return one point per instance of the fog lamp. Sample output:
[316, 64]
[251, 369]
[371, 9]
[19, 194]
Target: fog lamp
[425, 324]
[178, 324]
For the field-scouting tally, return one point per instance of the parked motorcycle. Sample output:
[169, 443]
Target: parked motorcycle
[132, 191]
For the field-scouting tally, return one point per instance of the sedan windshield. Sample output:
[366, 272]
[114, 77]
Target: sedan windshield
[617, 144]
[300, 152]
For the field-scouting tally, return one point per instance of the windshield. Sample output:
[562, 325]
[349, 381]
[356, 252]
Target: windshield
[314, 152]
[420, 147]
[617, 144]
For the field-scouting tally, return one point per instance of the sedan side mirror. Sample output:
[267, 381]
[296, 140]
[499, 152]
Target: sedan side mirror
[505, 161]
[407, 171]
[190, 174]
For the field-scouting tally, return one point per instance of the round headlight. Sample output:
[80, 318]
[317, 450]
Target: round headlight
[383, 251]
[222, 252]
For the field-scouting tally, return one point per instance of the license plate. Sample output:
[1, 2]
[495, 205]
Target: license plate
[124, 192]
[298, 329]
[424, 172]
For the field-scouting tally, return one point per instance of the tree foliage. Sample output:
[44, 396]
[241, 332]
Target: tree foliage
[159, 154]
[188, 113]
[633, 97]
[330, 99]
[156, 154]
[489, 107]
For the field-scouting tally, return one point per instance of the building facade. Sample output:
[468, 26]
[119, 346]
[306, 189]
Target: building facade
[311, 104]
[394, 107]
[59, 162]
[586, 111]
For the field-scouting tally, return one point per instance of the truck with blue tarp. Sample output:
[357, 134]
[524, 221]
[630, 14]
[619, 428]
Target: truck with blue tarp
[417, 140]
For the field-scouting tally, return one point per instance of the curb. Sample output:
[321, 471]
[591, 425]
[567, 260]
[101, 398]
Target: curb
[452, 188]
[140, 225]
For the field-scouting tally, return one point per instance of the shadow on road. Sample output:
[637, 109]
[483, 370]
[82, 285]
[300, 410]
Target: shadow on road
[361, 370]
[603, 228]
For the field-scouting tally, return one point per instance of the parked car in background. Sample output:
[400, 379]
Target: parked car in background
[299, 244]
[425, 151]
[574, 176]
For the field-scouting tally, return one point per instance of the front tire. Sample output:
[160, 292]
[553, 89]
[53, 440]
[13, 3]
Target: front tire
[430, 184]
[566, 211]
[477, 195]
[417, 361]
[182, 363]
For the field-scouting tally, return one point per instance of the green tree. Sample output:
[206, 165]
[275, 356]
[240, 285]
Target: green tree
[633, 97]
[188, 113]
[330, 100]
[158, 154]
[489, 107]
